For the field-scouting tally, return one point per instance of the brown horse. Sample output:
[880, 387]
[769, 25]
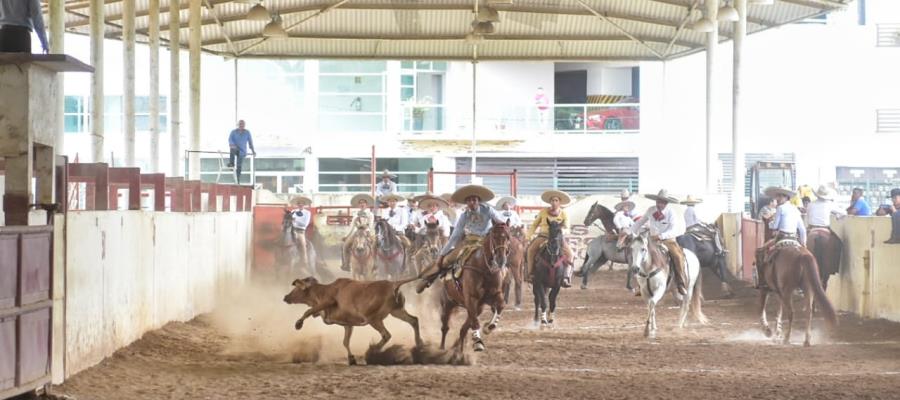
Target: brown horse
[479, 285]
[826, 247]
[429, 247]
[792, 268]
[516, 266]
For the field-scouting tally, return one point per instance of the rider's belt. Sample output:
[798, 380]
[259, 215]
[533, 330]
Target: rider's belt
[786, 235]
[299, 229]
[811, 227]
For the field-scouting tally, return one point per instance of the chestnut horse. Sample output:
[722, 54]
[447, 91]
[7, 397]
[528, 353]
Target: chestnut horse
[516, 266]
[479, 285]
[362, 255]
[792, 268]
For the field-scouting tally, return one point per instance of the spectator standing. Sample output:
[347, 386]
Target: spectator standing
[238, 141]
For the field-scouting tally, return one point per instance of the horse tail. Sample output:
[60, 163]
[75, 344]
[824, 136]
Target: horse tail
[811, 274]
[399, 296]
[697, 299]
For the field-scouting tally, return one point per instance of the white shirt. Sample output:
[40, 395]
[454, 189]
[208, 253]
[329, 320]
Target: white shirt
[788, 220]
[512, 216]
[442, 220]
[662, 223]
[622, 221]
[819, 212]
[690, 217]
[385, 188]
[300, 218]
[399, 220]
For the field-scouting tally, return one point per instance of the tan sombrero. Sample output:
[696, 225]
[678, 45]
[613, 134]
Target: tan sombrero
[625, 204]
[301, 200]
[564, 197]
[447, 197]
[689, 201]
[423, 196]
[388, 174]
[388, 197]
[625, 194]
[505, 200]
[461, 194]
[772, 191]
[362, 196]
[426, 201]
[823, 192]
[663, 195]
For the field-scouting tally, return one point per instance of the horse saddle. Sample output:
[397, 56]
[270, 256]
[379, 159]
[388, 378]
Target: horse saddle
[702, 232]
[787, 242]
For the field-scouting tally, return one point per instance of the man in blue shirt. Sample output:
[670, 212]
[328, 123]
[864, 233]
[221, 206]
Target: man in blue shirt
[17, 19]
[858, 205]
[238, 141]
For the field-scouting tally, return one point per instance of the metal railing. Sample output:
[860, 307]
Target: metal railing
[443, 120]
[887, 35]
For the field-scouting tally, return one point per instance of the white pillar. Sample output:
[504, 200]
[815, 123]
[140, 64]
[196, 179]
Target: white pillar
[474, 115]
[737, 168]
[194, 47]
[153, 32]
[57, 46]
[128, 76]
[175, 87]
[97, 27]
[712, 41]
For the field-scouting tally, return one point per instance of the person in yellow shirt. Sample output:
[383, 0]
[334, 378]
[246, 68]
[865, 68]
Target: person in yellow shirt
[541, 226]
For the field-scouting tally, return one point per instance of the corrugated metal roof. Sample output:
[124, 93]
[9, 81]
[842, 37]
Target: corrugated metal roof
[436, 29]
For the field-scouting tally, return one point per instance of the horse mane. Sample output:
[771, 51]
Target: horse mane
[605, 216]
[387, 232]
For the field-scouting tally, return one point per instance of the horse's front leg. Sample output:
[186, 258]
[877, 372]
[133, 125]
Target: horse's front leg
[554, 294]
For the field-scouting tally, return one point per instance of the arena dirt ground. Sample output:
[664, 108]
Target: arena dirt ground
[248, 349]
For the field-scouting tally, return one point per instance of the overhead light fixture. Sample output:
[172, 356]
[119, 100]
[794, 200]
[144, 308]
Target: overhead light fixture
[482, 28]
[703, 25]
[274, 29]
[488, 14]
[727, 13]
[258, 13]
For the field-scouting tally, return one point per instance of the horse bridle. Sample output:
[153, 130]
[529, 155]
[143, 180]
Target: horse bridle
[492, 264]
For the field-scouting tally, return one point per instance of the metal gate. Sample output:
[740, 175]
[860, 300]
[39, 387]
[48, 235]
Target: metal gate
[26, 268]
[752, 234]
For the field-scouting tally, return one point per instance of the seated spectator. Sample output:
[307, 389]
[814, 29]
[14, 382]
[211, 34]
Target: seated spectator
[858, 204]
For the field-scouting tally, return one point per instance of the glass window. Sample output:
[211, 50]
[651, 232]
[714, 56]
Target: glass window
[406, 64]
[279, 164]
[76, 115]
[354, 174]
[352, 103]
[407, 80]
[351, 123]
[351, 84]
[352, 66]
[264, 81]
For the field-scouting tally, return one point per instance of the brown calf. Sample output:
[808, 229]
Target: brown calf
[350, 303]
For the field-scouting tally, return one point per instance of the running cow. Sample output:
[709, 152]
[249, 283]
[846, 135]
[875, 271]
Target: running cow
[350, 303]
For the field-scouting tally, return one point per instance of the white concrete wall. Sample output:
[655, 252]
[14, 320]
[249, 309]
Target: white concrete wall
[129, 272]
[873, 291]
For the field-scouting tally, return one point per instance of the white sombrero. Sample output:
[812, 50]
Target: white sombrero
[627, 204]
[663, 195]
[506, 200]
[625, 194]
[301, 200]
[461, 194]
[388, 197]
[772, 191]
[564, 197]
[689, 201]
[388, 174]
[426, 201]
[362, 196]
[823, 192]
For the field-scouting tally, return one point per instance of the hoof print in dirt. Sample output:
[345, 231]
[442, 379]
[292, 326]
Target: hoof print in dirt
[391, 355]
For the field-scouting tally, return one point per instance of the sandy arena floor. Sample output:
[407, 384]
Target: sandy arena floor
[249, 350]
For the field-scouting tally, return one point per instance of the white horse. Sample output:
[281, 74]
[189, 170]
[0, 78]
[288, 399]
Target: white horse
[652, 267]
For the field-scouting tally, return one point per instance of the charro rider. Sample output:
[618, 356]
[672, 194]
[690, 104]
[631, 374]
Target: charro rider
[695, 226]
[362, 220]
[431, 213]
[665, 227]
[397, 218]
[541, 225]
[820, 211]
[506, 206]
[471, 228]
[623, 220]
[787, 224]
[385, 187]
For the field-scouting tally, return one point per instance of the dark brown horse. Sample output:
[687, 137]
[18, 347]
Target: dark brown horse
[479, 285]
[792, 268]
[827, 248]
[428, 247]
